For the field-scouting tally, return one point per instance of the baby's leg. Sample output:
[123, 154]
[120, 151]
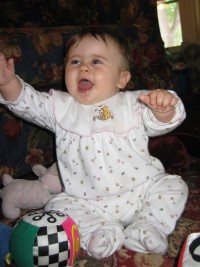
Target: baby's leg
[99, 237]
[162, 206]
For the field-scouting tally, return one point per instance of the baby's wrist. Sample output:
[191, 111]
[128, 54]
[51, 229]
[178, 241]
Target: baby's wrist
[164, 116]
[10, 84]
[160, 111]
[11, 90]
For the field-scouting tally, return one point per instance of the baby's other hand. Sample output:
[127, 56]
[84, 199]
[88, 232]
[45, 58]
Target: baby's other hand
[159, 100]
[7, 70]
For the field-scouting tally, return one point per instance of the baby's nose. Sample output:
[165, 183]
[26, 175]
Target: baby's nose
[84, 67]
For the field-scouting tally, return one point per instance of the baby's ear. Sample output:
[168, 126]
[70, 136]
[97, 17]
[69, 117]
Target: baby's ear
[124, 78]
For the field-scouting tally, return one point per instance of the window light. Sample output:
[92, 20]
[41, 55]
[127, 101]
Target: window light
[169, 22]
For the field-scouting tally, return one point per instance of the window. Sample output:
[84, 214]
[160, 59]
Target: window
[169, 22]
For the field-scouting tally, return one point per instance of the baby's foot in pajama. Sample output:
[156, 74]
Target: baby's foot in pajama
[144, 237]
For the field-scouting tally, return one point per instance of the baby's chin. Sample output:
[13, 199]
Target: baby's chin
[86, 101]
[86, 98]
[91, 99]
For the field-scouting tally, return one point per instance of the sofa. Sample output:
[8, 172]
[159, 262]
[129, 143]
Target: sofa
[34, 33]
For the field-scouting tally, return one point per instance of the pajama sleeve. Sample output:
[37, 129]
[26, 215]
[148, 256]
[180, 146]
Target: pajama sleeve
[33, 106]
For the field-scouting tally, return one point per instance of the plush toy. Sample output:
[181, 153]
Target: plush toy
[45, 238]
[5, 233]
[20, 194]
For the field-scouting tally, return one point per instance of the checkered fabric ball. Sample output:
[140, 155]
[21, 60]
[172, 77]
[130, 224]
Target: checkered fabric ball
[46, 239]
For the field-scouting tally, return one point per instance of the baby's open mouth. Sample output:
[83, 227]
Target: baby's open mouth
[84, 85]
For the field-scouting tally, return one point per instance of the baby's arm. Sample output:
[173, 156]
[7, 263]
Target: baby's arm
[10, 87]
[162, 104]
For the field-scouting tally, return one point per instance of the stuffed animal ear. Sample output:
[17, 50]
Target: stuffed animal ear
[39, 170]
[6, 179]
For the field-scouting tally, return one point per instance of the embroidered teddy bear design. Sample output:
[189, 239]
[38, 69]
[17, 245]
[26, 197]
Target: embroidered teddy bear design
[104, 113]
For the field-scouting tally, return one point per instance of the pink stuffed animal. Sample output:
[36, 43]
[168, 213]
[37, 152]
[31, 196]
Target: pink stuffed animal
[20, 194]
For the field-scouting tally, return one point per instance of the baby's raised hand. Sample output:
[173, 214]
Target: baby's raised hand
[159, 100]
[162, 104]
[7, 70]
[10, 86]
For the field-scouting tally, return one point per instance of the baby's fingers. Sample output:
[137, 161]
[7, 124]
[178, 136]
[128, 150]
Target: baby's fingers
[144, 98]
[6, 64]
[169, 100]
[159, 99]
[7, 69]
[2, 57]
[10, 64]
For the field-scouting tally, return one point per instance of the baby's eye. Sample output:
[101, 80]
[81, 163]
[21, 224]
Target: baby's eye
[75, 62]
[96, 61]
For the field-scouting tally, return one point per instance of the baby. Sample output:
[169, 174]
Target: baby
[116, 192]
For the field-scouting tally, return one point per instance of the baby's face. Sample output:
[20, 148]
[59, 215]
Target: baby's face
[93, 70]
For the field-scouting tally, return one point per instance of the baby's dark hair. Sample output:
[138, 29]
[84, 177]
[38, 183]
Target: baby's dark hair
[102, 32]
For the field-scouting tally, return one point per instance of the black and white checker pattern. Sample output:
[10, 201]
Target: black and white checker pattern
[51, 247]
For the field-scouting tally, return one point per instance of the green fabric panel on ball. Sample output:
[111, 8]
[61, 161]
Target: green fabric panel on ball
[21, 244]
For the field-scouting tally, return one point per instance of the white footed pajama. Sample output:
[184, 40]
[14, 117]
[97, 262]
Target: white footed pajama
[117, 193]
